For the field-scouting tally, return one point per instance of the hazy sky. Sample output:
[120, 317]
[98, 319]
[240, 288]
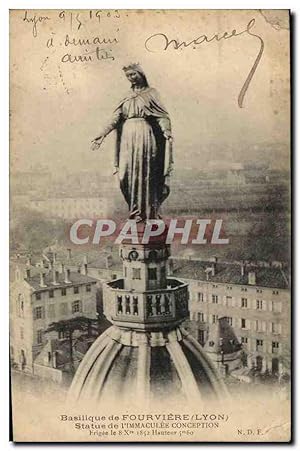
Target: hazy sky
[58, 107]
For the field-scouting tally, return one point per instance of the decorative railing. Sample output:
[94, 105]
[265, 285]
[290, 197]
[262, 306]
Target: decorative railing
[166, 305]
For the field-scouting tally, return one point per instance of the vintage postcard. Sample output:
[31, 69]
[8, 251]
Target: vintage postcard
[150, 225]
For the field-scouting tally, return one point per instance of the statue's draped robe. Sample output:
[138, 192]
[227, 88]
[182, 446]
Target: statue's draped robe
[140, 120]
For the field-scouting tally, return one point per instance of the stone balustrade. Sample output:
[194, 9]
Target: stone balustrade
[146, 310]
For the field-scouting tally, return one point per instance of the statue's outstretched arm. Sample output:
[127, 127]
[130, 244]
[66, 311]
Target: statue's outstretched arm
[115, 120]
[116, 117]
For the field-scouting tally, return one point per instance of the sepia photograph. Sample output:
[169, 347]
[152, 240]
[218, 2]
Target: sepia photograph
[150, 225]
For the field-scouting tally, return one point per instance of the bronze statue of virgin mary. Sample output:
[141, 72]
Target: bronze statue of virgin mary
[143, 154]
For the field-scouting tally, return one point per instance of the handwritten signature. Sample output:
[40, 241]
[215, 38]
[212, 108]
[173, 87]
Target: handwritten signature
[160, 42]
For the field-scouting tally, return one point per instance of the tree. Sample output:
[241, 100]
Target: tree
[69, 326]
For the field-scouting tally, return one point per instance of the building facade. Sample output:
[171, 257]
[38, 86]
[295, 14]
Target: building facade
[39, 299]
[256, 303]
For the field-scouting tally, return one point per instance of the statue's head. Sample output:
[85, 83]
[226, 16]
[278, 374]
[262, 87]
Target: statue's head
[135, 75]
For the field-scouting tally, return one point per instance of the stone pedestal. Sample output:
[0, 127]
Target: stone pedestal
[146, 354]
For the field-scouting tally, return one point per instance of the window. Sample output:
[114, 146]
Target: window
[51, 293]
[200, 297]
[258, 291]
[275, 346]
[88, 287]
[229, 320]
[201, 337]
[76, 290]
[229, 288]
[38, 296]
[200, 316]
[228, 301]
[51, 311]
[244, 340]
[275, 292]
[136, 273]
[244, 303]
[63, 308]
[259, 305]
[38, 312]
[259, 343]
[214, 285]
[214, 298]
[244, 289]
[152, 274]
[214, 319]
[63, 291]
[62, 334]
[243, 323]
[39, 336]
[76, 306]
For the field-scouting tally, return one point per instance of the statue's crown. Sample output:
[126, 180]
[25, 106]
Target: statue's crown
[133, 66]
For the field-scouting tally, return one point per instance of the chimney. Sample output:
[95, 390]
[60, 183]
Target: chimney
[27, 273]
[207, 271]
[84, 269]
[171, 266]
[242, 268]
[67, 275]
[42, 280]
[55, 277]
[214, 261]
[251, 278]
[69, 253]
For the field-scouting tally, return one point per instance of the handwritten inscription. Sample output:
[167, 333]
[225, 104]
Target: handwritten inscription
[100, 48]
[34, 21]
[96, 40]
[98, 54]
[161, 42]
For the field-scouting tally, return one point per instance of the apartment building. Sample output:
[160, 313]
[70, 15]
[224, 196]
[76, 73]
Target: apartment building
[254, 299]
[39, 298]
